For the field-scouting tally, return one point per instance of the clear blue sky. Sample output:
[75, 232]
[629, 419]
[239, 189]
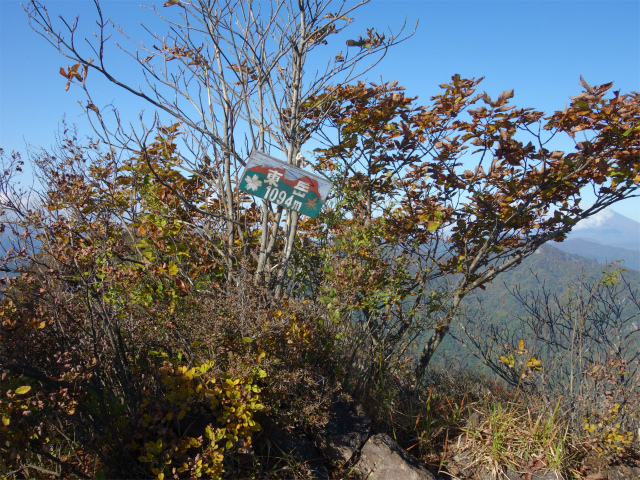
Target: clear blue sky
[537, 47]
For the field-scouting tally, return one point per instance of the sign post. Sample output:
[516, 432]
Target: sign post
[291, 187]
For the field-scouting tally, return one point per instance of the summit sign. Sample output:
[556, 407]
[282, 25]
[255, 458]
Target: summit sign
[279, 182]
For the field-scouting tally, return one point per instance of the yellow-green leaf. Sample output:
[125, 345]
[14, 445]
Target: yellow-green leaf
[5, 421]
[172, 269]
[247, 339]
[534, 364]
[22, 390]
[509, 361]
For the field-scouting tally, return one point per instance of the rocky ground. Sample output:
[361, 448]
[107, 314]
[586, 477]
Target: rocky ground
[348, 447]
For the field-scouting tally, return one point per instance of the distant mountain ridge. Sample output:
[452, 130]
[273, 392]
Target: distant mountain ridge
[609, 228]
[605, 237]
[602, 253]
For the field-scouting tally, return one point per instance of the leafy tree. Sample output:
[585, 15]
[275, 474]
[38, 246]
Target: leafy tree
[461, 190]
[233, 77]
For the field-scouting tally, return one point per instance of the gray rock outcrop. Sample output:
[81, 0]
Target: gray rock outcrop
[382, 459]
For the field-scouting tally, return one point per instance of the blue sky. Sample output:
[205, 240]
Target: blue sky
[537, 47]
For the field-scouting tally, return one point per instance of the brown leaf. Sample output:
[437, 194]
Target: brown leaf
[182, 286]
[588, 87]
[506, 95]
[168, 3]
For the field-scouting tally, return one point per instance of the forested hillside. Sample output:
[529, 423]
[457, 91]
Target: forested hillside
[608, 237]
[602, 253]
[550, 269]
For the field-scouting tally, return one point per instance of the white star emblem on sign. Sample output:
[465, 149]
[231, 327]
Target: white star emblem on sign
[253, 182]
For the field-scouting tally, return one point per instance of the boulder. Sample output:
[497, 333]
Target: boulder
[531, 474]
[623, 472]
[605, 468]
[382, 459]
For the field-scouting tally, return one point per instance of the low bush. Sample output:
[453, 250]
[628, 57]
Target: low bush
[125, 348]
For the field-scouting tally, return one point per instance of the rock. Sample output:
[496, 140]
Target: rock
[605, 468]
[623, 472]
[382, 459]
[485, 475]
[347, 430]
[546, 476]
[459, 465]
[510, 475]
[538, 475]
[473, 421]
[596, 465]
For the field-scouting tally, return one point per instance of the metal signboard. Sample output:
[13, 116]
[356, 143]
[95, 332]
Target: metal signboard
[292, 187]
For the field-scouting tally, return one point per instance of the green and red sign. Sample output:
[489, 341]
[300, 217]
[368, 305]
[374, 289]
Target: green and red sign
[292, 187]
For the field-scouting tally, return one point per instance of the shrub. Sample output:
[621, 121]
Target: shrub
[142, 356]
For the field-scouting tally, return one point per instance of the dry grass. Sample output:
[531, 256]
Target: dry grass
[460, 420]
[516, 436]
